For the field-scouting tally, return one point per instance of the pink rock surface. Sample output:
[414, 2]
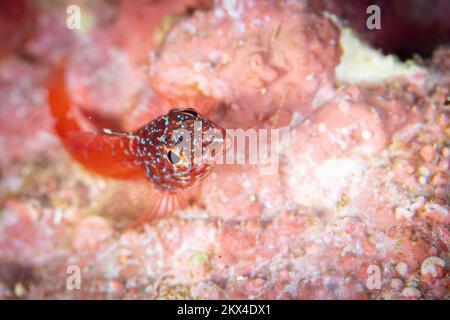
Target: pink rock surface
[362, 184]
[269, 52]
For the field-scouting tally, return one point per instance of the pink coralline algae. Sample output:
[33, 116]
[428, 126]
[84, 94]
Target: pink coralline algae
[357, 209]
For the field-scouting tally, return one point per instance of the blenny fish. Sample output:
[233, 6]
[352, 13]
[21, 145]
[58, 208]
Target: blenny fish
[162, 152]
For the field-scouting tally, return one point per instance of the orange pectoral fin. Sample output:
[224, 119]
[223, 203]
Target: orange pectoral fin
[130, 204]
[159, 204]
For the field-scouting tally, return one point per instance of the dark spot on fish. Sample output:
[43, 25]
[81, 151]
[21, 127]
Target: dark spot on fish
[173, 157]
[192, 112]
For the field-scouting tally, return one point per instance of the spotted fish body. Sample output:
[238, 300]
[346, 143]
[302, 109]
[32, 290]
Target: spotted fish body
[169, 163]
[162, 152]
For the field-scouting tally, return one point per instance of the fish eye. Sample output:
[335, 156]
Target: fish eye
[173, 157]
[192, 112]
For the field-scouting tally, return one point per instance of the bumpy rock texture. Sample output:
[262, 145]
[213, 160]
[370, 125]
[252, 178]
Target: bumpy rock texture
[359, 208]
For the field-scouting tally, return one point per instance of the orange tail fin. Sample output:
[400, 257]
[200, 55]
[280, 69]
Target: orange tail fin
[109, 154]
